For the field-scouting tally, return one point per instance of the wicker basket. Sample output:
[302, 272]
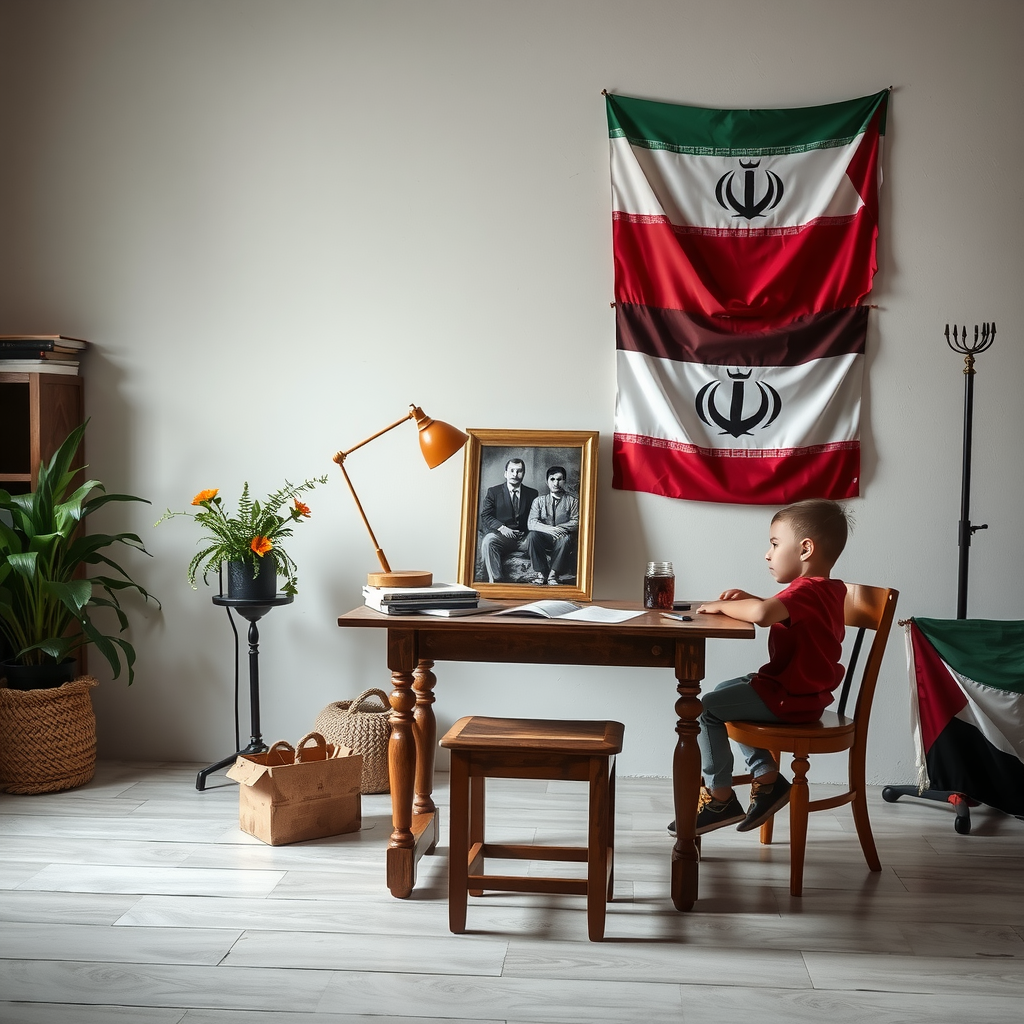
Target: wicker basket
[365, 727]
[47, 738]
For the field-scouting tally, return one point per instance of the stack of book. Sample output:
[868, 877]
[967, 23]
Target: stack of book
[40, 353]
[438, 598]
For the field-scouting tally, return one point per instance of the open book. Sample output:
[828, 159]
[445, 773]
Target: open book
[570, 610]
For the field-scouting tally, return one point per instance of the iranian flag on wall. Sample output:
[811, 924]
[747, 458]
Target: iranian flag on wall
[967, 707]
[744, 244]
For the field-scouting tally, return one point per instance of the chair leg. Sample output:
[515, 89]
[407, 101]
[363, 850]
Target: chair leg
[597, 849]
[860, 811]
[458, 843]
[799, 798]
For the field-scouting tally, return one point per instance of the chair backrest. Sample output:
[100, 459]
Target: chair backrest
[866, 608]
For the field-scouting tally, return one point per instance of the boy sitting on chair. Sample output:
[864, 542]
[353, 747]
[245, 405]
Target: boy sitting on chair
[804, 649]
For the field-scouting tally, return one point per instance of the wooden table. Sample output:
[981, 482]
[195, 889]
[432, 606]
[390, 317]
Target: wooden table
[416, 642]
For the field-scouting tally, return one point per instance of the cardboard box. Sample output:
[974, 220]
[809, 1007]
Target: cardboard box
[289, 795]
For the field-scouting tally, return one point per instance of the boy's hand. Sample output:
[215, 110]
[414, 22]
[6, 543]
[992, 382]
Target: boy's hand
[719, 607]
[741, 605]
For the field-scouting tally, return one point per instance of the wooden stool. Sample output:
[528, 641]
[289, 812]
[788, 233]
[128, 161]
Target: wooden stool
[520, 748]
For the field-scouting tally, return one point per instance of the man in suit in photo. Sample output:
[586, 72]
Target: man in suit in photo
[504, 513]
[553, 524]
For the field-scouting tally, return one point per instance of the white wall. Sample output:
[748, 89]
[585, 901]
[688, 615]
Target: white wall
[282, 222]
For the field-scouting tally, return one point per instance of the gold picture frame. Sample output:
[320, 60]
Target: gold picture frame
[485, 493]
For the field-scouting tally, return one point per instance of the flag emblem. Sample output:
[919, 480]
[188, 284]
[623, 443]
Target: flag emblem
[736, 424]
[749, 207]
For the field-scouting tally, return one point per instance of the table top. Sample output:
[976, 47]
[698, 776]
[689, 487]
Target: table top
[651, 623]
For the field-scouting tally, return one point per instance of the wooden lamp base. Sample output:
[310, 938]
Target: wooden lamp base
[408, 578]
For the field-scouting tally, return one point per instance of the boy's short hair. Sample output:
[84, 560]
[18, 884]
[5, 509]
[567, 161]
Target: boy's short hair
[555, 469]
[826, 522]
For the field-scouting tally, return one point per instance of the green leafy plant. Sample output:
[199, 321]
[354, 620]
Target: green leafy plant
[46, 608]
[247, 536]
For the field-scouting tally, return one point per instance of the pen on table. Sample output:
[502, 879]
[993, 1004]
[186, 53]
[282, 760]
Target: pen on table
[681, 618]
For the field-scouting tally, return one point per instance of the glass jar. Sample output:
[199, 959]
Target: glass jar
[659, 585]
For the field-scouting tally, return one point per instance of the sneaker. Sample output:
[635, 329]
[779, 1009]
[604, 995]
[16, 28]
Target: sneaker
[539, 578]
[765, 800]
[552, 580]
[712, 813]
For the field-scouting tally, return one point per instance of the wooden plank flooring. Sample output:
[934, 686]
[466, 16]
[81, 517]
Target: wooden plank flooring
[137, 899]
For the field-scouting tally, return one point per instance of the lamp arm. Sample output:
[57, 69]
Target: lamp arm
[341, 464]
[340, 457]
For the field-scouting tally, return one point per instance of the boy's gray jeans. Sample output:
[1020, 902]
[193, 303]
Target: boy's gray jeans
[731, 701]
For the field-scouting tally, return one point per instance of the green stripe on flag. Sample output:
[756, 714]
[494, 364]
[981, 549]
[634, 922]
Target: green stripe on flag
[989, 651]
[701, 131]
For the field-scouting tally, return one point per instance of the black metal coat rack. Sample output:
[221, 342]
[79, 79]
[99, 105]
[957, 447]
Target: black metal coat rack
[983, 339]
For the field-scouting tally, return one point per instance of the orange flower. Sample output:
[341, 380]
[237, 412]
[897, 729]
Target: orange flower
[302, 508]
[261, 545]
[205, 496]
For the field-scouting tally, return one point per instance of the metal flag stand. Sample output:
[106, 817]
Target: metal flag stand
[983, 338]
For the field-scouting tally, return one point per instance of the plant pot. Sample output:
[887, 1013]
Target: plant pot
[47, 676]
[242, 586]
[47, 738]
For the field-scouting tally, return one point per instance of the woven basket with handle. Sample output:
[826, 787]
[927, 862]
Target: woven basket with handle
[365, 726]
[47, 738]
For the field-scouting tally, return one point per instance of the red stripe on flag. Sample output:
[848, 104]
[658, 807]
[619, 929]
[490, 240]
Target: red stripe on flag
[863, 169]
[736, 476]
[939, 698]
[673, 334]
[764, 280]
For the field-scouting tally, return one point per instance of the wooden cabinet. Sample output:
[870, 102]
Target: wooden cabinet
[37, 411]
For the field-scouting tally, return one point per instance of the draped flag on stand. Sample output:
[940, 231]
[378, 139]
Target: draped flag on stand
[967, 707]
[744, 242]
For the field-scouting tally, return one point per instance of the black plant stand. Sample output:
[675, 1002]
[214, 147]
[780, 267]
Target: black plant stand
[253, 611]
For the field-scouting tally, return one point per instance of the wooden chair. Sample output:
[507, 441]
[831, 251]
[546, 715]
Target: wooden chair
[516, 748]
[866, 608]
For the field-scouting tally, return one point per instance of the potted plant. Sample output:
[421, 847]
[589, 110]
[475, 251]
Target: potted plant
[46, 602]
[249, 540]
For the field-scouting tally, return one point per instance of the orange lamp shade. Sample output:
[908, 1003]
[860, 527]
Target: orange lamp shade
[439, 441]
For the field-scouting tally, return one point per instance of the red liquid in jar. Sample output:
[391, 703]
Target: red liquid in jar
[659, 591]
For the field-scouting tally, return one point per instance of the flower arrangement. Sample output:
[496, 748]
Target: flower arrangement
[251, 534]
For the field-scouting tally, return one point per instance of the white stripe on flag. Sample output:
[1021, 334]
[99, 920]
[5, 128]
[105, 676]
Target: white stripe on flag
[820, 401]
[681, 187]
[988, 706]
[923, 781]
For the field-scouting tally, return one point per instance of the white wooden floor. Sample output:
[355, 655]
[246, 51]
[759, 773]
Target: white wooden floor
[137, 899]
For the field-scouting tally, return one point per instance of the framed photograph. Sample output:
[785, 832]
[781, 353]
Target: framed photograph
[528, 503]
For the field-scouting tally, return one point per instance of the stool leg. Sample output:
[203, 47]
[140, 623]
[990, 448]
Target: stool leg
[597, 849]
[611, 831]
[458, 842]
[477, 803]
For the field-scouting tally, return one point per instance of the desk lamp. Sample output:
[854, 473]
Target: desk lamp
[439, 441]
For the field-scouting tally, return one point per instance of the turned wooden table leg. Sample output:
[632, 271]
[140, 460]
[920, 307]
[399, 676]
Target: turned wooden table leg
[425, 731]
[401, 856]
[686, 772]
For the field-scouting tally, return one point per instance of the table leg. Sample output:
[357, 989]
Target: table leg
[686, 772]
[425, 731]
[425, 819]
[401, 863]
